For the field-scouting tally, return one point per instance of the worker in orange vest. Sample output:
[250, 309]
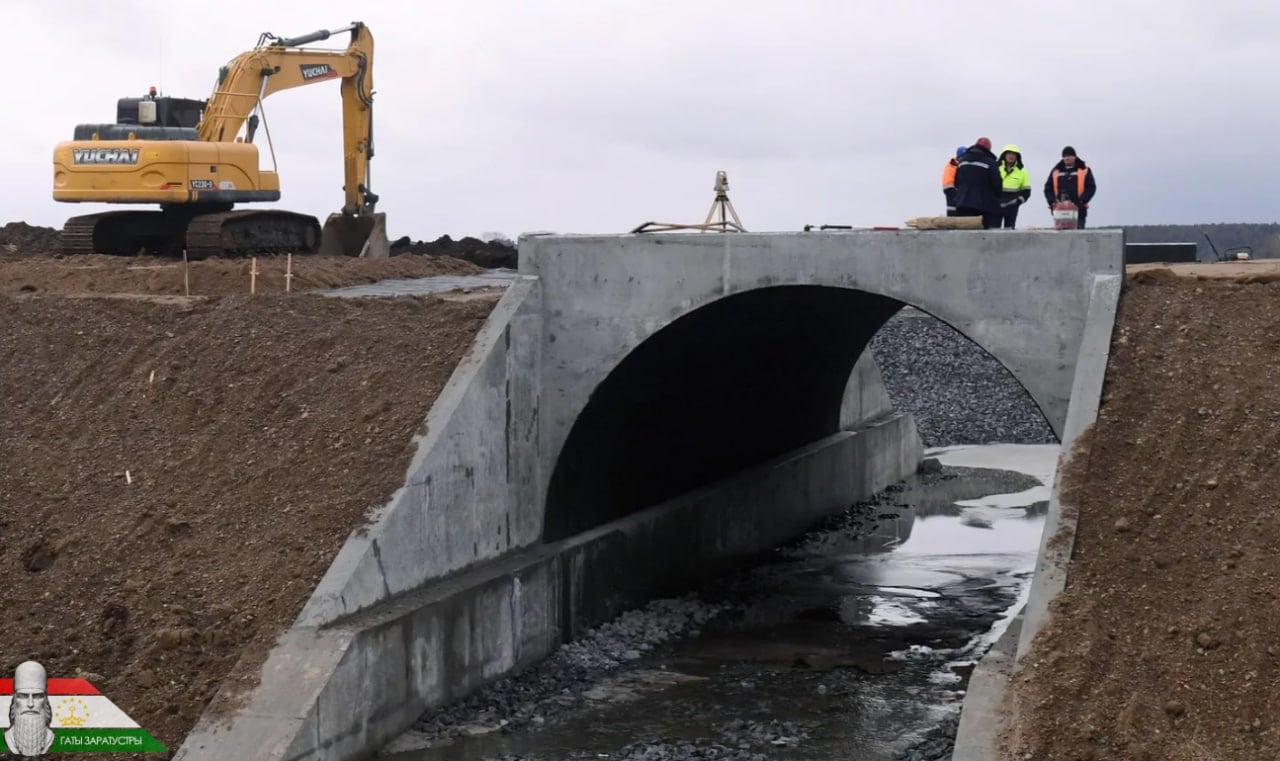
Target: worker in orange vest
[1071, 180]
[949, 180]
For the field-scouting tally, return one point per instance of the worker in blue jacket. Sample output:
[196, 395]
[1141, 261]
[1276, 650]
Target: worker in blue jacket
[978, 184]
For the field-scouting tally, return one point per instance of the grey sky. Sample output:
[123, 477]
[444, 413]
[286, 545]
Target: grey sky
[595, 115]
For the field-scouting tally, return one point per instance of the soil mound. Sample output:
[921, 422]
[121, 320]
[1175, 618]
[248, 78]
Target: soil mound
[20, 236]
[491, 255]
[1163, 644]
[176, 479]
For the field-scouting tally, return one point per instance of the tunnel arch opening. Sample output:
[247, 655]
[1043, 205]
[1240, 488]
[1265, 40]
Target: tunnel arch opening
[748, 377]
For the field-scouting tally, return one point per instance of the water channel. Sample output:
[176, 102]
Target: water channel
[850, 643]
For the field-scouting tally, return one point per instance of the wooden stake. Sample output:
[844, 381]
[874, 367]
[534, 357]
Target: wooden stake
[253, 276]
[288, 272]
[128, 479]
[186, 273]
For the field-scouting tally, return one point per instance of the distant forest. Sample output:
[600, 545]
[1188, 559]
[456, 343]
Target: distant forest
[1264, 239]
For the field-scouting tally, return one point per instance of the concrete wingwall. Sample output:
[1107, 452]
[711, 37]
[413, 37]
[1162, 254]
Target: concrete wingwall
[983, 713]
[476, 464]
[451, 586]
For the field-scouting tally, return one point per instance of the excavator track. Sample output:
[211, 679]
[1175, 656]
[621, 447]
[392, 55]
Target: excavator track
[77, 233]
[251, 233]
[204, 235]
[121, 232]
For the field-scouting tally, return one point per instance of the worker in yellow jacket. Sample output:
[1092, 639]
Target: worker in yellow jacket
[1016, 185]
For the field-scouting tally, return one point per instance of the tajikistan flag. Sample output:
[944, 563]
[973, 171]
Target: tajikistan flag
[83, 720]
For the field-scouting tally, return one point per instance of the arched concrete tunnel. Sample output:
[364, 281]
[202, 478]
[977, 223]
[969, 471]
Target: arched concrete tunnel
[727, 386]
[743, 379]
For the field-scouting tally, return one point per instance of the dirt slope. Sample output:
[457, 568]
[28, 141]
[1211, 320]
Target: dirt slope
[1164, 644]
[175, 479]
[210, 277]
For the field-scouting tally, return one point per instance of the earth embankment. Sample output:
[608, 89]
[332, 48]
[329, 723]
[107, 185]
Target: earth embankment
[1163, 643]
[177, 474]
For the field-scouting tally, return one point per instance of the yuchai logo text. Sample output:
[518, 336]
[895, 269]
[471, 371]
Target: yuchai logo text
[315, 71]
[105, 155]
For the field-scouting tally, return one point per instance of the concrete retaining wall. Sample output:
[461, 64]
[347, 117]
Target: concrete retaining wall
[865, 398]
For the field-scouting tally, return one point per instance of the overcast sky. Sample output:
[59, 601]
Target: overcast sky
[594, 116]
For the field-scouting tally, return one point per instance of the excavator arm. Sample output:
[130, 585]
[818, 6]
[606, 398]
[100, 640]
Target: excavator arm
[277, 64]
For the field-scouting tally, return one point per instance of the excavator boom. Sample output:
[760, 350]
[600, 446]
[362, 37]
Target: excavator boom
[197, 172]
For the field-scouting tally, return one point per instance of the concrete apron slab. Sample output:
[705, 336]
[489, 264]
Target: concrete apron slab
[983, 716]
[344, 690]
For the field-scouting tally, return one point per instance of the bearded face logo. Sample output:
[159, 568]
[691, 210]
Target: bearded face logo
[30, 713]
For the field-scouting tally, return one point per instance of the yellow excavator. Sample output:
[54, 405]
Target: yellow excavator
[191, 158]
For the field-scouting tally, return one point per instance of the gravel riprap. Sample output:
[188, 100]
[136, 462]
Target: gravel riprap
[958, 393]
[937, 745]
[558, 681]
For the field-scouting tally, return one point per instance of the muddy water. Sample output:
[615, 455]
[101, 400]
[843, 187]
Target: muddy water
[850, 643]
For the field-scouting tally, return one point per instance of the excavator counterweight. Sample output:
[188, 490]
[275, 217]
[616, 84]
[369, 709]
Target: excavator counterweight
[197, 160]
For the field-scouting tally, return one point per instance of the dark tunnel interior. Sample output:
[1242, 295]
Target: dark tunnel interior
[748, 377]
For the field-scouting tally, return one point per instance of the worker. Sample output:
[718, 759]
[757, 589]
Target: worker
[949, 180]
[978, 184]
[1015, 185]
[1071, 180]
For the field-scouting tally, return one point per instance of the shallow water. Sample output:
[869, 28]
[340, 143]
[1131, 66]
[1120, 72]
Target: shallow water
[861, 634]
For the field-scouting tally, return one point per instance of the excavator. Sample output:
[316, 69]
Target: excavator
[191, 158]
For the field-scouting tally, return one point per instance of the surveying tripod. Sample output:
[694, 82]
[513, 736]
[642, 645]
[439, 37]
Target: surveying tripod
[721, 203]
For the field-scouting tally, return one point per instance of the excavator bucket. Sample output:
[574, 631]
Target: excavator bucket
[364, 236]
